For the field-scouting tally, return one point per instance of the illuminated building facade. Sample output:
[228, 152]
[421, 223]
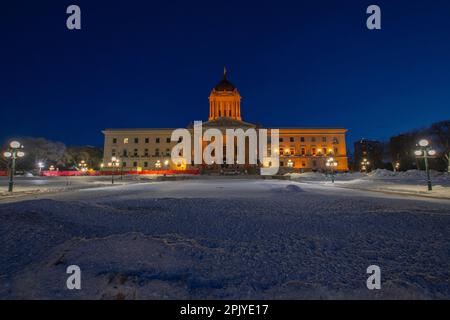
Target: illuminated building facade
[300, 149]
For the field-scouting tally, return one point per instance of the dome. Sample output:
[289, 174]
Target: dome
[225, 85]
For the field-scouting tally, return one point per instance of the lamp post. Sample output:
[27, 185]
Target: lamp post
[13, 153]
[396, 166]
[365, 165]
[332, 165]
[113, 165]
[83, 166]
[425, 152]
[40, 166]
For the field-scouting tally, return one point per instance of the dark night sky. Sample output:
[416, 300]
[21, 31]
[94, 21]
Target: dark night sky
[153, 64]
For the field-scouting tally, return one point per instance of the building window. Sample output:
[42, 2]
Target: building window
[291, 139]
[281, 139]
[146, 164]
[136, 140]
[136, 152]
[147, 140]
[335, 140]
[180, 139]
[302, 139]
[290, 164]
[158, 140]
[324, 139]
[168, 140]
[314, 163]
[292, 151]
[303, 164]
[156, 152]
[114, 140]
[146, 152]
[281, 151]
[313, 139]
[303, 151]
[168, 152]
[135, 164]
[335, 150]
[281, 164]
[125, 153]
[124, 164]
[125, 140]
[113, 152]
[313, 151]
[324, 151]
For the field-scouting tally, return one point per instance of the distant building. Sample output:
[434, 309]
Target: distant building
[370, 150]
[300, 149]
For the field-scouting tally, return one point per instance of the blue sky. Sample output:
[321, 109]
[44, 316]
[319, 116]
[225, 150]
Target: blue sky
[153, 64]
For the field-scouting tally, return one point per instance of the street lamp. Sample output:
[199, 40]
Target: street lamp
[113, 165]
[14, 152]
[425, 152]
[332, 165]
[83, 166]
[365, 165]
[40, 166]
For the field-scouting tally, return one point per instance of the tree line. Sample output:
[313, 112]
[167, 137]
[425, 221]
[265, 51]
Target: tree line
[403, 146]
[54, 153]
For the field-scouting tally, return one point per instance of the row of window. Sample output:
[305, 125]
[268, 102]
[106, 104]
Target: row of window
[282, 151]
[158, 164]
[135, 153]
[290, 164]
[314, 151]
[312, 139]
[158, 140]
[146, 140]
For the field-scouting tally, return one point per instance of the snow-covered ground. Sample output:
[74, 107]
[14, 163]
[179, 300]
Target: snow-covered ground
[224, 239]
[409, 182]
[34, 185]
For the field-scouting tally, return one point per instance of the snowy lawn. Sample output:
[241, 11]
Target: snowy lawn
[224, 239]
[34, 185]
[409, 182]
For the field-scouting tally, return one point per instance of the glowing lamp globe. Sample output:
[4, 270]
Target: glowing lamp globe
[432, 152]
[21, 154]
[418, 153]
[423, 143]
[15, 144]
[7, 154]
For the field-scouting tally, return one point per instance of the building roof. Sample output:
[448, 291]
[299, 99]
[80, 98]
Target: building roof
[137, 129]
[225, 84]
[228, 123]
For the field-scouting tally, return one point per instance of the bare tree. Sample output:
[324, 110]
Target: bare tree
[41, 150]
[441, 132]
